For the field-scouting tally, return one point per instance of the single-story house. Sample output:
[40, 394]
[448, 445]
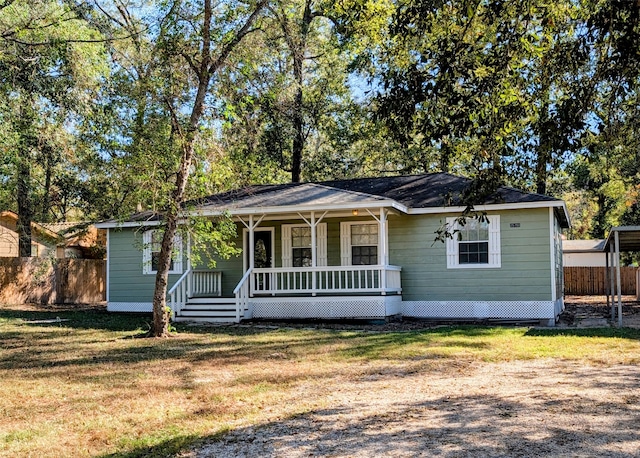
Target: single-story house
[359, 248]
[583, 253]
[58, 240]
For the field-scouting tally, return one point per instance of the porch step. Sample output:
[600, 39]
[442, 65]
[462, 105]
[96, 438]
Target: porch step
[208, 309]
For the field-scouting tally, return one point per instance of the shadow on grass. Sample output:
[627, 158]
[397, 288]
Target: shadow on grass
[168, 448]
[79, 319]
[622, 333]
[484, 424]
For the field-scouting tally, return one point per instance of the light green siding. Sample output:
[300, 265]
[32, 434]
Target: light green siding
[127, 283]
[524, 275]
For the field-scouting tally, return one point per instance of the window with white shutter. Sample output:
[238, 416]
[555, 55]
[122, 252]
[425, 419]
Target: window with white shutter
[476, 244]
[296, 245]
[359, 243]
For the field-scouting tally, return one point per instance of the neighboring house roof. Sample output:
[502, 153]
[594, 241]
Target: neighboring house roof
[430, 193]
[67, 234]
[583, 246]
[47, 234]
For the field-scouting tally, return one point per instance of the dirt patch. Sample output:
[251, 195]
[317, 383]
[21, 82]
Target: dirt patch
[590, 311]
[515, 409]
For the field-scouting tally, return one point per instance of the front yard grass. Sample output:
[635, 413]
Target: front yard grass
[79, 383]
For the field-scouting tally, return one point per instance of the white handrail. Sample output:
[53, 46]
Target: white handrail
[178, 293]
[242, 295]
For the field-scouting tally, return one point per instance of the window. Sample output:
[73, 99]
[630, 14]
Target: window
[474, 245]
[359, 243]
[301, 246]
[152, 241]
[296, 245]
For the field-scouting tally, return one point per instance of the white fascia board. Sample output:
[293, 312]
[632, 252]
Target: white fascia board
[122, 224]
[491, 207]
[303, 208]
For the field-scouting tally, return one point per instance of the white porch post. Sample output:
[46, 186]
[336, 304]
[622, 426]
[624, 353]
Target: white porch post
[189, 279]
[611, 282]
[251, 255]
[314, 251]
[383, 261]
[607, 274]
[618, 281]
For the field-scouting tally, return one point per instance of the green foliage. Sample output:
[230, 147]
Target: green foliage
[211, 240]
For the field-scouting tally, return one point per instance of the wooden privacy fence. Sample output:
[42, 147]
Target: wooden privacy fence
[592, 281]
[52, 281]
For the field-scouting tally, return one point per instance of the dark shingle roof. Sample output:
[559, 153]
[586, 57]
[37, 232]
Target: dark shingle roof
[415, 191]
[431, 190]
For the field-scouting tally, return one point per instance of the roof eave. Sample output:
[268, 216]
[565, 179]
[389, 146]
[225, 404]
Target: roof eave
[559, 204]
[299, 208]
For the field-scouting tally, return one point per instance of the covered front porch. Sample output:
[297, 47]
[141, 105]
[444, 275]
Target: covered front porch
[328, 263]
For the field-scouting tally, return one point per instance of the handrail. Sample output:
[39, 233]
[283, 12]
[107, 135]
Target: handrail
[178, 293]
[241, 293]
[242, 280]
[180, 280]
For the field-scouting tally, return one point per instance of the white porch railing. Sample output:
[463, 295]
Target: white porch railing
[326, 279]
[194, 283]
[205, 283]
[242, 295]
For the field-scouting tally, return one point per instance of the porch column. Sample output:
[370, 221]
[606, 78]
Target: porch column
[251, 255]
[384, 242]
[617, 238]
[314, 251]
[189, 285]
[383, 261]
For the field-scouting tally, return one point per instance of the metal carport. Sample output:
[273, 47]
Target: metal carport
[622, 238]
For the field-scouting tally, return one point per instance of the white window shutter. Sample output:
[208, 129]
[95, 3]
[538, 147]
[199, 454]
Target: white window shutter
[345, 243]
[452, 245]
[286, 246]
[146, 251]
[495, 258]
[321, 240]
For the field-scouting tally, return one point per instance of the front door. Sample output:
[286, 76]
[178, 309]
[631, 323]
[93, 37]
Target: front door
[262, 256]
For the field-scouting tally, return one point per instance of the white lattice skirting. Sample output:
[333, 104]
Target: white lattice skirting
[515, 310]
[326, 307]
[130, 307]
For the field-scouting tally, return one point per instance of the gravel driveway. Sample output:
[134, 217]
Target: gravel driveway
[517, 409]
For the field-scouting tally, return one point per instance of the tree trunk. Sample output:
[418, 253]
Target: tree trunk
[207, 67]
[298, 49]
[25, 212]
[28, 141]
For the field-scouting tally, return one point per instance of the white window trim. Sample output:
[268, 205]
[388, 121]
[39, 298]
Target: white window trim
[321, 244]
[453, 247]
[146, 253]
[345, 241]
[245, 245]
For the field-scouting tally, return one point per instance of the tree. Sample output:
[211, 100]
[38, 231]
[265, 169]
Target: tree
[49, 62]
[199, 38]
[285, 94]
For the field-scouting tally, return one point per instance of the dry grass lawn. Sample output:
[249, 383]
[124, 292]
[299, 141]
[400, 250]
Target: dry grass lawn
[78, 383]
